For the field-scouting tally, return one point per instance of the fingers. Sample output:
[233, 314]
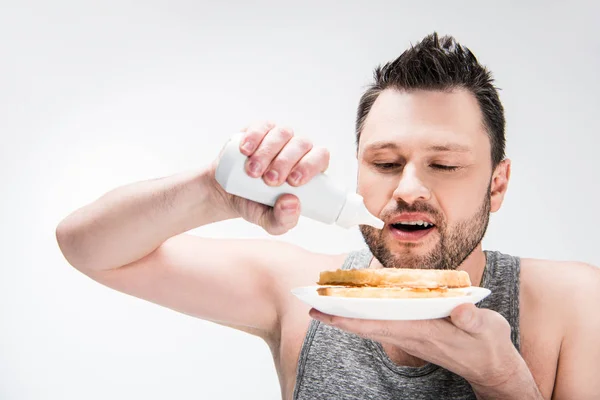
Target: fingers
[253, 136]
[466, 317]
[373, 329]
[280, 168]
[313, 163]
[276, 155]
[270, 146]
[410, 334]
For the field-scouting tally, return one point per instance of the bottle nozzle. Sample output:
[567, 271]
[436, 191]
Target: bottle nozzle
[355, 213]
[373, 221]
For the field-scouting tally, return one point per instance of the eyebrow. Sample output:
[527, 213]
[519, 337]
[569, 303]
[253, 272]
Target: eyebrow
[451, 147]
[448, 147]
[382, 146]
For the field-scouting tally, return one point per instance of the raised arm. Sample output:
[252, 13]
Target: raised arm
[133, 238]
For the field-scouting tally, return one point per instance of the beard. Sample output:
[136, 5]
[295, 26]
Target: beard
[456, 242]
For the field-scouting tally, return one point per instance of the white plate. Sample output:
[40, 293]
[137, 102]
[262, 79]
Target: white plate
[388, 309]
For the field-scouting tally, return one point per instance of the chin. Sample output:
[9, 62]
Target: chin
[409, 255]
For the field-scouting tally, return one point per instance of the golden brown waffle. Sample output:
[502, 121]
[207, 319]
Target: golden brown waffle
[396, 277]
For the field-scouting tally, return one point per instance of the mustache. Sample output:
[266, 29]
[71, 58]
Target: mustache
[417, 207]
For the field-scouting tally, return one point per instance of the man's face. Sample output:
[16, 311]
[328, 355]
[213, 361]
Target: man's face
[424, 156]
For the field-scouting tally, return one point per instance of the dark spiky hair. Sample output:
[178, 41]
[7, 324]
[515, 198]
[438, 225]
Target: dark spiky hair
[440, 64]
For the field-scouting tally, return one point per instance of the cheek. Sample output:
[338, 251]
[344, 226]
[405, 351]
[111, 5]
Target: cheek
[459, 200]
[376, 191]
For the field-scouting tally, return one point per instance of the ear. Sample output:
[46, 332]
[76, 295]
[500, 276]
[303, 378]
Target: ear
[499, 184]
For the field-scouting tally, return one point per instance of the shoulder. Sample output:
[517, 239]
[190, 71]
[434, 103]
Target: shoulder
[566, 297]
[569, 287]
[560, 277]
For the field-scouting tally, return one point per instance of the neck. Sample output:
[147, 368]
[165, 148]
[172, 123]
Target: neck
[474, 265]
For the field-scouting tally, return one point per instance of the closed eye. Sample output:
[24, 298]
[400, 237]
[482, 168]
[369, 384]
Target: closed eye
[386, 166]
[444, 167]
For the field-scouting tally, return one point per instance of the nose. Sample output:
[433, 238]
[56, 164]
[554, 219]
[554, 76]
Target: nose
[410, 188]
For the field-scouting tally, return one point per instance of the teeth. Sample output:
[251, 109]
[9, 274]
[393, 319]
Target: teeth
[421, 223]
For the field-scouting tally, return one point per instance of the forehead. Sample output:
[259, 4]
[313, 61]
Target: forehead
[423, 118]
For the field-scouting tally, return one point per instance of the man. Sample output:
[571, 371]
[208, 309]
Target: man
[430, 147]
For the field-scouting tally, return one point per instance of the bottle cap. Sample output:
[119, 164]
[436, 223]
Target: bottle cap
[355, 213]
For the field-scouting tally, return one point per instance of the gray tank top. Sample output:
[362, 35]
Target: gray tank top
[336, 365]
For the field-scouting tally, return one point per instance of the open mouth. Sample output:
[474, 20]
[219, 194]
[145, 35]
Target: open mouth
[413, 226]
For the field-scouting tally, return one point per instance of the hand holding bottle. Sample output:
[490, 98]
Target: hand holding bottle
[277, 170]
[275, 155]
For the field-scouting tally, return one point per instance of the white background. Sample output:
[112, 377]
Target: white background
[96, 95]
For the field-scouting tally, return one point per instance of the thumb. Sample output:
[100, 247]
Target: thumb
[283, 216]
[470, 319]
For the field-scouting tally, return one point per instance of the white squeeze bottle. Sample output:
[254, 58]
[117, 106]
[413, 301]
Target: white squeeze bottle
[320, 199]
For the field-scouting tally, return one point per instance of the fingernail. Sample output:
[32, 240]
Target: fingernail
[254, 168]
[248, 147]
[271, 176]
[289, 207]
[295, 177]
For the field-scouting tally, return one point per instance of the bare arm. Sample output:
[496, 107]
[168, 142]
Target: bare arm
[130, 222]
[579, 360]
[133, 240]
